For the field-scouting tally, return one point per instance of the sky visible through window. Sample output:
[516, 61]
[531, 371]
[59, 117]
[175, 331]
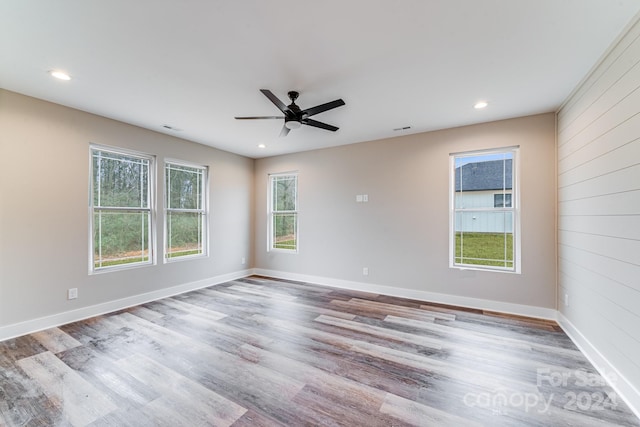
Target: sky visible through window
[460, 161]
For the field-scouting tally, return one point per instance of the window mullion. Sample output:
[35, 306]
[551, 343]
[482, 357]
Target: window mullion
[100, 237]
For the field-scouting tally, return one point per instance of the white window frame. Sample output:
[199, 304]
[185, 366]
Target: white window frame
[271, 213]
[204, 211]
[149, 210]
[514, 208]
[504, 199]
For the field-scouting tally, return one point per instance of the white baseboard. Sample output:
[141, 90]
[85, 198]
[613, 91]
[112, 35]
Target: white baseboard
[30, 326]
[477, 303]
[627, 391]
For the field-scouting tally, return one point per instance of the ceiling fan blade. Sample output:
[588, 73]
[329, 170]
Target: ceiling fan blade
[324, 107]
[284, 131]
[276, 101]
[317, 124]
[259, 117]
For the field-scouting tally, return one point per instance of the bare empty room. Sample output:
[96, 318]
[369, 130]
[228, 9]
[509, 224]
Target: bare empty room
[266, 213]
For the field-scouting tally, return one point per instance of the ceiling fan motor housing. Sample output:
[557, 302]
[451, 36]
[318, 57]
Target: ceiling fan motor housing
[293, 120]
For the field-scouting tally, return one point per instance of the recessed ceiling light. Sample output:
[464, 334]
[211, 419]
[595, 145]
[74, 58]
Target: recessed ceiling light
[262, 146]
[60, 75]
[480, 105]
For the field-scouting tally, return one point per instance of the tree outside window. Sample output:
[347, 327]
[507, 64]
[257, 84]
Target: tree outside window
[283, 212]
[186, 216]
[121, 213]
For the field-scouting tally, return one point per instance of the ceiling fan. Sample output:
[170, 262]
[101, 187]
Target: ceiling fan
[294, 117]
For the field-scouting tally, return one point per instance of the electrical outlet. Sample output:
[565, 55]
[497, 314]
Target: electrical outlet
[72, 293]
[243, 261]
[365, 271]
[566, 300]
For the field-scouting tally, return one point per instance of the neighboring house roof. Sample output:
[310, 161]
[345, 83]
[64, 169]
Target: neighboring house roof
[484, 176]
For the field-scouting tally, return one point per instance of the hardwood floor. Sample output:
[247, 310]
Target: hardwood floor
[264, 352]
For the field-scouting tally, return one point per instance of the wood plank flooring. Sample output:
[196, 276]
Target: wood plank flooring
[264, 352]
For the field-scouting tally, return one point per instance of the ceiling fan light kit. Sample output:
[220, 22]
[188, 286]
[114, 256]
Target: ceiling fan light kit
[294, 117]
[292, 124]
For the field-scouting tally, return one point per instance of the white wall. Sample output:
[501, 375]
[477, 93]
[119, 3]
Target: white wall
[44, 178]
[599, 211]
[401, 234]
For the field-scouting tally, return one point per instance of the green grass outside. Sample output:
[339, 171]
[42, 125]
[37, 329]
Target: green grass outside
[484, 249]
[285, 244]
[184, 253]
[135, 259]
[120, 261]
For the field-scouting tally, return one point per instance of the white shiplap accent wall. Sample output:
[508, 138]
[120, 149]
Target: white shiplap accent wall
[599, 212]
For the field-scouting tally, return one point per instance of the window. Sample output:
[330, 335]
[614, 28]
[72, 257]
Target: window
[283, 212]
[121, 209]
[185, 210]
[484, 215]
[502, 200]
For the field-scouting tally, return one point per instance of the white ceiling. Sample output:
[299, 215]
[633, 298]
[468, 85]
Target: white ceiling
[194, 65]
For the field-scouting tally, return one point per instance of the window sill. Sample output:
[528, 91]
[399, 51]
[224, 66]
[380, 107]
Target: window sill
[491, 270]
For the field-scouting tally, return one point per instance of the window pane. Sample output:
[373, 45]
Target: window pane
[284, 193]
[185, 215]
[502, 200]
[484, 238]
[120, 238]
[184, 234]
[284, 231]
[283, 212]
[184, 187]
[120, 180]
[478, 177]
